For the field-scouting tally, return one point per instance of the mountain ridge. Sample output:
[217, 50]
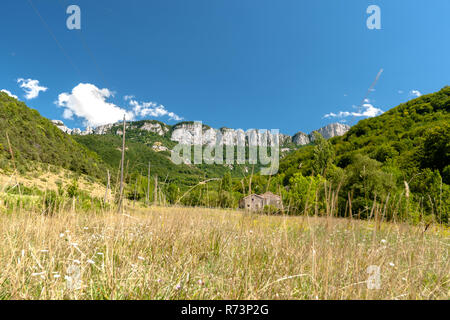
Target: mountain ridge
[190, 132]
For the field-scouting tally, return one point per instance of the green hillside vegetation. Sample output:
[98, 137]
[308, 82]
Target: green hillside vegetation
[139, 155]
[174, 180]
[402, 156]
[35, 138]
[136, 134]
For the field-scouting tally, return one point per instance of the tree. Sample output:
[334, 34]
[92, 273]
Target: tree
[367, 181]
[225, 196]
[303, 192]
[172, 193]
[435, 151]
[323, 154]
[72, 189]
[225, 183]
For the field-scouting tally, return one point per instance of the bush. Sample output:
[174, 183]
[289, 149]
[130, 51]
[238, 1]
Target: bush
[72, 189]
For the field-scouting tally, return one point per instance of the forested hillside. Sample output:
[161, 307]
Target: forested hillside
[139, 155]
[35, 138]
[402, 154]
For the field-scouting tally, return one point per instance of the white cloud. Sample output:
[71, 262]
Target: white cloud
[400, 91]
[415, 93]
[31, 88]
[89, 102]
[68, 114]
[9, 93]
[145, 109]
[367, 110]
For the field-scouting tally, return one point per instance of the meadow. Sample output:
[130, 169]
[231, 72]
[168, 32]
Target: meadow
[201, 253]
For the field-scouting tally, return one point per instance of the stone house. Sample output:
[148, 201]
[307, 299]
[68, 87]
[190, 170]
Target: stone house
[257, 202]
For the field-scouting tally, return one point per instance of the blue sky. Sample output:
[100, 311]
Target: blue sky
[262, 64]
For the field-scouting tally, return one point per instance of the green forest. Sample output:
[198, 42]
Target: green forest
[35, 138]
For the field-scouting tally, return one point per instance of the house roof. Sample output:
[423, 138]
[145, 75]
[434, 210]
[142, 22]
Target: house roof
[263, 196]
[252, 195]
[269, 194]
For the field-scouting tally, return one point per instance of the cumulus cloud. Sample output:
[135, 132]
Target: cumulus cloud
[90, 103]
[31, 88]
[367, 110]
[415, 93]
[9, 93]
[145, 109]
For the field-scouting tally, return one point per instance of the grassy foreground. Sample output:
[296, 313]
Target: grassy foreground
[193, 253]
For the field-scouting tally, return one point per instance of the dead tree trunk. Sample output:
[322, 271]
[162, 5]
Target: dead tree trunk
[107, 188]
[11, 152]
[119, 208]
[135, 192]
[250, 183]
[155, 192]
[148, 185]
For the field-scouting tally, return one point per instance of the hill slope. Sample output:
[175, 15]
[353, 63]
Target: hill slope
[404, 135]
[402, 155]
[139, 155]
[411, 136]
[35, 138]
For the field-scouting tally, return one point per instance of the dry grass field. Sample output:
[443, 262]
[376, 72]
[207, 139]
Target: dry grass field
[198, 253]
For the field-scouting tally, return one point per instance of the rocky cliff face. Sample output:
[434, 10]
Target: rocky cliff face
[301, 138]
[197, 133]
[62, 127]
[334, 130]
[329, 131]
[151, 126]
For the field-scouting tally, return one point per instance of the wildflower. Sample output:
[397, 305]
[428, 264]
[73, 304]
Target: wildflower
[159, 280]
[61, 235]
[56, 276]
[178, 287]
[141, 258]
[85, 228]
[35, 274]
[90, 261]
[74, 244]
[383, 241]
[76, 261]
[391, 264]
[44, 251]
[100, 253]
[200, 282]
